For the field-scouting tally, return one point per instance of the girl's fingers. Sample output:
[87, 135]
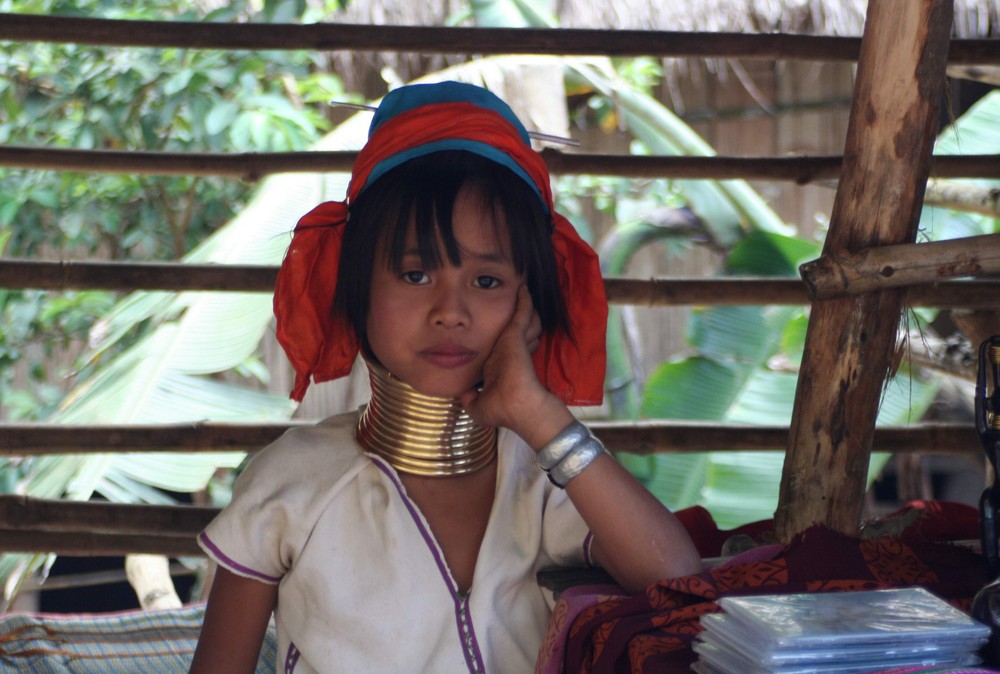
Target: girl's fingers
[527, 319]
[524, 308]
[533, 334]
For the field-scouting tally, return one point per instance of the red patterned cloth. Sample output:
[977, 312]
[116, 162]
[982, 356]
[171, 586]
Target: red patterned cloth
[653, 631]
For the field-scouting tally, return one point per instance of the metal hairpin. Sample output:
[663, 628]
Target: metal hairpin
[535, 135]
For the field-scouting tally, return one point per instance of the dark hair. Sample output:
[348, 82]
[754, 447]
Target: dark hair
[423, 191]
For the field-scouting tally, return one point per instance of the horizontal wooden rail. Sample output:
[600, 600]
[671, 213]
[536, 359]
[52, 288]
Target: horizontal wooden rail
[129, 276]
[23, 513]
[654, 292]
[95, 528]
[454, 40]
[752, 291]
[637, 437]
[800, 169]
[423, 39]
[82, 544]
[901, 265]
[244, 165]
[26, 439]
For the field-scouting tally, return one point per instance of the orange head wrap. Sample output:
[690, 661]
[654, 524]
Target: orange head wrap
[413, 121]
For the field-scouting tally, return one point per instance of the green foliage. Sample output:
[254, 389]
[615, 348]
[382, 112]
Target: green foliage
[977, 131]
[172, 100]
[744, 367]
[78, 96]
[744, 371]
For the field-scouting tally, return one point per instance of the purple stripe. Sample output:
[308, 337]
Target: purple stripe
[213, 550]
[475, 641]
[291, 659]
[460, 602]
[588, 542]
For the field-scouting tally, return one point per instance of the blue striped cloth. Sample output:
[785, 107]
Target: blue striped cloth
[146, 642]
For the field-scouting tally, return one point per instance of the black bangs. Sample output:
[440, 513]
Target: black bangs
[423, 191]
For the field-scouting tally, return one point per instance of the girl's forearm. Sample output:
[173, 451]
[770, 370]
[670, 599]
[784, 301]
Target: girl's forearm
[636, 538]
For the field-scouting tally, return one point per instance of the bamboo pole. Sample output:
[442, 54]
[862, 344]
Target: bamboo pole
[87, 528]
[756, 291]
[251, 166]
[850, 342]
[964, 197]
[129, 276]
[422, 39]
[637, 437]
[25, 513]
[81, 544]
[901, 265]
[452, 40]
[25, 439]
[653, 292]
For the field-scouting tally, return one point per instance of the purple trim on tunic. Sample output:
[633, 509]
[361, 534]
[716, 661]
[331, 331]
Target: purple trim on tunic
[588, 542]
[224, 559]
[291, 658]
[473, 660]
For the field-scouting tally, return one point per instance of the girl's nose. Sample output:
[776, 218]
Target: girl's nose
[450, 308]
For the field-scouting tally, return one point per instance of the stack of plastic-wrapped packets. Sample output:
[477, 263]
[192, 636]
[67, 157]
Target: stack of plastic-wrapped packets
[842, 632]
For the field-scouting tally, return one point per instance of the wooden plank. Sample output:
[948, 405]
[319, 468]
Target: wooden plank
[130, 276]
[82, 544]
[23, 513]
[901, 265]
[27, 439]
[422, 39]
[850, 342]
[640, 437]
[452, 40]
[749, 291]
[654, 292]
[251, 166]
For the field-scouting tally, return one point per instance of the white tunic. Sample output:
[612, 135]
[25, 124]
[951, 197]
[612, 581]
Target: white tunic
[363, 585]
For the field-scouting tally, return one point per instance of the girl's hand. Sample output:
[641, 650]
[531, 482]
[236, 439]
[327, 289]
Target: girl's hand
[511, 394]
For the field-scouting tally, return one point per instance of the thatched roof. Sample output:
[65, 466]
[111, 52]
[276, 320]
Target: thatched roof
[973, 19]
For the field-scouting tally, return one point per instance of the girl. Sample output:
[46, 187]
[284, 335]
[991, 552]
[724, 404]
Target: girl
[407, 538]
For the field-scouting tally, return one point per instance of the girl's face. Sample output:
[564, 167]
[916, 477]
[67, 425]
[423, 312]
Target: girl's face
[435, 328]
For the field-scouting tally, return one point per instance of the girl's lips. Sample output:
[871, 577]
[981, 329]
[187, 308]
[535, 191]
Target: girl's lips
[448, 355]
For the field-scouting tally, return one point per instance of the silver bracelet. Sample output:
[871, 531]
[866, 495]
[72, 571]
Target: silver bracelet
[578, 458]
[561, 445]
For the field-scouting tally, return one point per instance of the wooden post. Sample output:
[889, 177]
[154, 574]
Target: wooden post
[851, 341]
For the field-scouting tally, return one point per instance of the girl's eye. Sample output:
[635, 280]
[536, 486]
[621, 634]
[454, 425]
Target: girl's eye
[487, 282]
[415, 277]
